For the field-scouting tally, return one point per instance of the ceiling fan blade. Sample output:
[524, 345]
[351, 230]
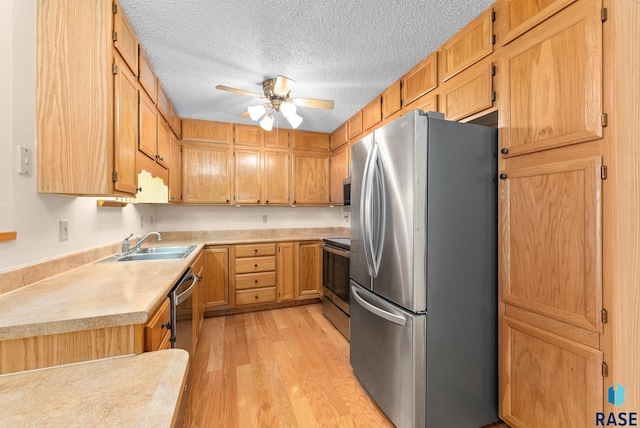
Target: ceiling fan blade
[239, 91]
[244, 114]
[315, 103]
[283, 85]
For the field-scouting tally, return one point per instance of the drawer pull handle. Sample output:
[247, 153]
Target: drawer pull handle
[166, 325]
[256, 296]
[255, 265]
[255, 250]
[256, 281]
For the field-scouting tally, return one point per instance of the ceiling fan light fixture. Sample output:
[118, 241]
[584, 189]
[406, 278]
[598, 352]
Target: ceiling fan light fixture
[294, 120]
[256, 112]
[267, 122]
[288, 108]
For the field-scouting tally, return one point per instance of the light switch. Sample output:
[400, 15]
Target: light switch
[25, 161]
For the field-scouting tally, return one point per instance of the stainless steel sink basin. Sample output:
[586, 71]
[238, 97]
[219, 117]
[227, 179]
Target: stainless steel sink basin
[154, 253]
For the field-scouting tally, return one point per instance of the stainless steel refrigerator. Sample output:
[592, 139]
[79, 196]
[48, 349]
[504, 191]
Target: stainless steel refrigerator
[424, 271]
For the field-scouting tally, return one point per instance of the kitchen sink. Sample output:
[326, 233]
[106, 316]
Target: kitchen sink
[153, 253]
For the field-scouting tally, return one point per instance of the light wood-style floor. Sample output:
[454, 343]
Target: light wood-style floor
[279, 368]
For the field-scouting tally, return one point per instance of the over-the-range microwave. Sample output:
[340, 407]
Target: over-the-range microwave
[346, 193]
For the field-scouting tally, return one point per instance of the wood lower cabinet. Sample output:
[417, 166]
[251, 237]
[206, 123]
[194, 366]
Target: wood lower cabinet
[309, 270]
[199, 296]
[255, 274]
[287, 270]
[217, 282]
[310, 178]
[157, 331]
[206, 173]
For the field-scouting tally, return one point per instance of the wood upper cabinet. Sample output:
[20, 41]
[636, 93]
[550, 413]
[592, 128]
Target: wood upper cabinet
[339, 136]
[522, 15]
[286, 255]
[206, 173]
[125, 134]
[124, 38]
[309, 270]
[470, 45]
[419, 80]
[355, 126]
[552, 237]
[217, 283]
[277, 139]
[157, 331]
[392, 99]
[86, 138]
[310, 178]
[175, 170]
[276, 177]
[372, 113]
[248, 135]
[248, 171]
[163, 155]
[552, 88]
[308, 140]
[174, 121]
[427, 103]
[339, 171]
[207, 131]
[163, 103]
[469, 92]
[146, 75]
[148, 127]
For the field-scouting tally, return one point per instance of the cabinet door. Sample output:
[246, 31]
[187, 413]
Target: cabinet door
[174, 121]
[339, 136]
[277, 139]
[148, 127]
[163, 103]
[125, 123]
[307, 140]
[372, 113]
[247, 176]
[248, 135]
[522, 15]
[217, 277]
[339, 171]
[552, 239]
[420, 79]
[392, 99]
[286, 270]
[157, 328]
[470, 45]
[124, 39]
[310, 178]
[427, 103]
[146, 75]
[469, 92]
[547, 380]
[310, 270]
[207, 131]
[163, 155]
[277, 178]
[206, 173]
[552, 90]
[175, 170]
[355, 126]
[198, 268]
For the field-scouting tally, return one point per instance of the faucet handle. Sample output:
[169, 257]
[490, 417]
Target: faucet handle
[126, 243]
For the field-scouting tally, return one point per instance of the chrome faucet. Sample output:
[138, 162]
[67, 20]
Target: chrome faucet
[126, 243]
[144, 238]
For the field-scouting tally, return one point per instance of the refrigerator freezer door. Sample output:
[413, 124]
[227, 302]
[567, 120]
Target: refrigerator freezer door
[401, 183]
[388, 356]
[359, 271]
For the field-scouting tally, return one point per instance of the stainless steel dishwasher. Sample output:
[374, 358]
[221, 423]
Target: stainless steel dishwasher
[181, 302]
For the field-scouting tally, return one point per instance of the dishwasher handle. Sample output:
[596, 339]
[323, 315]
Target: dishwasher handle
[396, 319]
[189, 291]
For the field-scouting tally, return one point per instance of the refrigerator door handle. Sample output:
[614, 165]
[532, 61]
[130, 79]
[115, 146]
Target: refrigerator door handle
[365, 210]
[396, 319]
[380, 211]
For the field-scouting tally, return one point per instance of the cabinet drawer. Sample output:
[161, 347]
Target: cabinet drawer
[255, 296]
[255, 264]
[255, 280]
[155, 330]
[255, 250]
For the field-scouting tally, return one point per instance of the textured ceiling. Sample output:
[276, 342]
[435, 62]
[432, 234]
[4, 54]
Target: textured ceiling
[346, 51]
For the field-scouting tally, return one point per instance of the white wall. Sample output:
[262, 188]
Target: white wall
[35, 216]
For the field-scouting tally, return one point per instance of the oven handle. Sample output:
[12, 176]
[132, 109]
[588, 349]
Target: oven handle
[189, 291]
[336, 251]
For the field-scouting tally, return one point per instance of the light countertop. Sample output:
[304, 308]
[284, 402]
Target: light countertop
[131, 391]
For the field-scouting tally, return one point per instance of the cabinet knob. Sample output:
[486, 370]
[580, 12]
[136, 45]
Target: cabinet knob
[267, 201]
[255, 265]
[255, 250]
[256, 296]
[256, 281]
[504, 151]
[258, 200]
[227, 200]
[166, 325]
[138, 189]
[503, 176]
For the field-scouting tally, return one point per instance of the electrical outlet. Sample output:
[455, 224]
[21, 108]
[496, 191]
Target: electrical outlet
[24, 161]
[63, 230]
[265, 218]
[141, 222]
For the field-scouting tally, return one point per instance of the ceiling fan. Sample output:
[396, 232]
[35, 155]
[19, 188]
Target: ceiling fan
[277, 93]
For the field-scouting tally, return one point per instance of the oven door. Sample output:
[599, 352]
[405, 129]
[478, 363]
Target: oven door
[182, 312]
[335, 275]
